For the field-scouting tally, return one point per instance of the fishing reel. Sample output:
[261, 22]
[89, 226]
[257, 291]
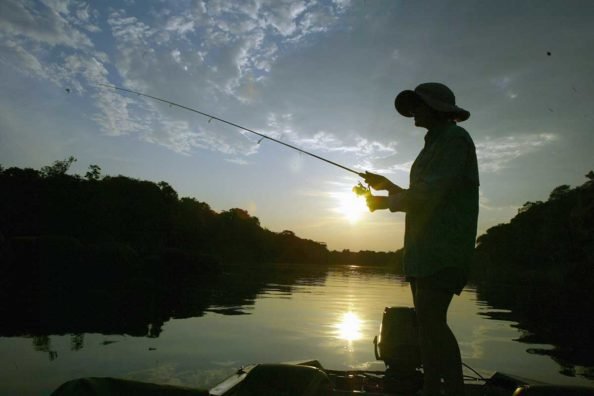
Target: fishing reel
[365, 192]
[361, 190]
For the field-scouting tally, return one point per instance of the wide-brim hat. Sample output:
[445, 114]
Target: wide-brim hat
[435, 95]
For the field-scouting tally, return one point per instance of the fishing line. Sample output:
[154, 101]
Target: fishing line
[212, 117]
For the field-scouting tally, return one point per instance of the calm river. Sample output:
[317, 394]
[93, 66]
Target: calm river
[331, 316]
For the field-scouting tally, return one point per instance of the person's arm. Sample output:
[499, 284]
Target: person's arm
[444, 172]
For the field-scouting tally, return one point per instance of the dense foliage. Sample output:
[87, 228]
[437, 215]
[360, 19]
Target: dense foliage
[541, 267]
[147, 217]
[554, 238]
[392, 260]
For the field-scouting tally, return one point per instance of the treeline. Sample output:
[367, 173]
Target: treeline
[147, 217]
[392, 260]
[541, 266]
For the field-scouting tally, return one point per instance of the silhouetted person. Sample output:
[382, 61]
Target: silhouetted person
[441, 206]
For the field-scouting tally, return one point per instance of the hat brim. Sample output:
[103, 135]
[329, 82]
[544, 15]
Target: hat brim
[407, 100]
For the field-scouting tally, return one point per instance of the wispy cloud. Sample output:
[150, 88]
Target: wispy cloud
[237, 160]
[44, 22]
[114, 115]
[224, 48]
[241, 41]
[504, 84]
[282, 126]
[45, 40]
[388, 169]
[20, 58]
[495, 153]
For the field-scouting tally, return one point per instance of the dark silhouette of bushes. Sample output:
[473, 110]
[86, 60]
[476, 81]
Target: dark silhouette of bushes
[393, 260]
[148, 217]
[541, 266]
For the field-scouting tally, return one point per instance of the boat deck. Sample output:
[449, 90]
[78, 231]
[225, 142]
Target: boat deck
[375, 384]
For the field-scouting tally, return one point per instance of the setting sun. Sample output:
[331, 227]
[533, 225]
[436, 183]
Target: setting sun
[351, 207]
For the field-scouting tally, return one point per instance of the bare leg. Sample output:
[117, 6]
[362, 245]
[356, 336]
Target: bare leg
[440, 352]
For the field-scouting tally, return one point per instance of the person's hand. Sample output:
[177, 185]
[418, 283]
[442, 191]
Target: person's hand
[377, 202]
[379, 182]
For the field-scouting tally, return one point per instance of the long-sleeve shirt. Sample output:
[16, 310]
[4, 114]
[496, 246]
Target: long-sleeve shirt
[441, 203]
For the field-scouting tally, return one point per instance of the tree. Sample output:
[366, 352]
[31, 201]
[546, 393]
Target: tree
[58, 168]
[168, 191]
[528, 206]
[94, 173]
[559, 191]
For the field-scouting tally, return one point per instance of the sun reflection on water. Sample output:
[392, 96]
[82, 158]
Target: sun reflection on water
[349, 327]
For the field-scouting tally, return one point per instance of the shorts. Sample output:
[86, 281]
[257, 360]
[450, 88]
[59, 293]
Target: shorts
[451, 280]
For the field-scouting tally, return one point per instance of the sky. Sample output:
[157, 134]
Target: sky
[317, 74]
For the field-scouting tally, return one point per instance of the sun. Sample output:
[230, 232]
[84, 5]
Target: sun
[351, 207]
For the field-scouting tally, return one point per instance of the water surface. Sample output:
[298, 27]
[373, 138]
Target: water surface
[331, 316]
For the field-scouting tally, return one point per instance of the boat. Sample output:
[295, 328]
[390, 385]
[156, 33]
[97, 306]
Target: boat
[310, 378]
[396, 345]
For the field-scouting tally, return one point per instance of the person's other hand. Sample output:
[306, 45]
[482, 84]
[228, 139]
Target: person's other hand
[377, 202]
[379, 182]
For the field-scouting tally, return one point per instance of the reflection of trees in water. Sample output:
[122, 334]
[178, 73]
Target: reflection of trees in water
[44, 344]
[76, 342]
[567, 360]
[545, 314]
[137, 307]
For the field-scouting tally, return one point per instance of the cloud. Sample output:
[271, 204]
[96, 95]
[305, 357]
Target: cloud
[238, 161]
[176, 55]
[180, 24]
[383, 167]
[284, 19]
[44, 40]
[247, 36]
[121, 115]
[495, 153]
[41, 23]
[282, 126]
[504, 84]
[114, 116]
[129, 30]
[14, 54]
[133, 39]
[226, 49]
[71, 72]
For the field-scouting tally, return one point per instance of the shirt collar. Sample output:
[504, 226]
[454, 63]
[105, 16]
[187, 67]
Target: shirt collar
[433, 134]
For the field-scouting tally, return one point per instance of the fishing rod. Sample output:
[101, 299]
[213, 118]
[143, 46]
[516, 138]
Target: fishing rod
[212, 117]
